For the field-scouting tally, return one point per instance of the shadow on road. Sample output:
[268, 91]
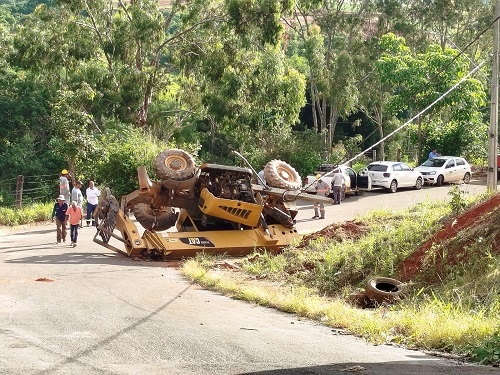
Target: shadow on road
[72, 257]
[418, 367]
[33, 232]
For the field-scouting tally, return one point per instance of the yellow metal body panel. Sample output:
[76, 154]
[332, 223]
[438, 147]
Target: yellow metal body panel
[229, 209]
[231, 242]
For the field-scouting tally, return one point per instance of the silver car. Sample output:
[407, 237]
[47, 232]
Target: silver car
[392, 175]
[442, 169]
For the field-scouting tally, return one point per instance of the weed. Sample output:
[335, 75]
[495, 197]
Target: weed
[457, 202]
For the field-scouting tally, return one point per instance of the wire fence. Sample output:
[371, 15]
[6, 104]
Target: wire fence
[22, 190]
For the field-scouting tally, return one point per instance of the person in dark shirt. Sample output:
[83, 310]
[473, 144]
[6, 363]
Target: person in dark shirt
[59, 212]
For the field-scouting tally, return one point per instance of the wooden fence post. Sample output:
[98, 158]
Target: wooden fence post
[19, 191]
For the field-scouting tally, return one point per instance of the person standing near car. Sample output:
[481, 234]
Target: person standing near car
[92, 193]
[434, 154]
[322, 189]
[338, 180]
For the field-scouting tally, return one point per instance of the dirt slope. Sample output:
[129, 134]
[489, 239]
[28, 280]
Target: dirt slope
[479, 221]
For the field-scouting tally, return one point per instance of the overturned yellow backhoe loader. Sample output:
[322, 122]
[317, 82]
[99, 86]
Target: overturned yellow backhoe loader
[214, 209]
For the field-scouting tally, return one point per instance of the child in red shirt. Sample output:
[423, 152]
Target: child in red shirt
[75, 219]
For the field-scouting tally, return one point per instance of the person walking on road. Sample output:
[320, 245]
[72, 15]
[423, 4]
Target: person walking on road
[92, 193]
[322, 189]
[64, 185]
[75, 218]
[59, 212]
[76, 194]
[338, 180]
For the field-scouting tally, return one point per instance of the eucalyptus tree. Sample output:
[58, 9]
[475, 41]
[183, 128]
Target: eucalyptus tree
[455, 24]
[403, 82]
[331, 31]
[106, 62]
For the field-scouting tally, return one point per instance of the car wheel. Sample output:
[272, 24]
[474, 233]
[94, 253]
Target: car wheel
[440, 180]
[151, 219]
[393, 187]
[418, 184]
[467, 178]
[384, 289]
[342, 192]
[280, 174]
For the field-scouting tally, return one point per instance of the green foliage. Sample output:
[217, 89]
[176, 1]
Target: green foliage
[488, 352]
[457, 201]
[26, 215]
[245, 14]
[120, 151]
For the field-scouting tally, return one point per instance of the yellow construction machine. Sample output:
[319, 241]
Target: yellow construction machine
[214, 209]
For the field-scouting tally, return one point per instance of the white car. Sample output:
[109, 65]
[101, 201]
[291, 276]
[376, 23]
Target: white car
[392, 175]
[445, 169]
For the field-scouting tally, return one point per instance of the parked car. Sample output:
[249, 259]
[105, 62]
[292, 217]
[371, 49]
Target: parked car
[442, 169]
[392, 175]
[351, 178]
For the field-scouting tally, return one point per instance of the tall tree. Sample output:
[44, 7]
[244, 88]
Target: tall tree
[331, 31]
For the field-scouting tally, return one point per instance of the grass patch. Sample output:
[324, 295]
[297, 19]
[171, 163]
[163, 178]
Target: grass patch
[29, 214]
[458, 314]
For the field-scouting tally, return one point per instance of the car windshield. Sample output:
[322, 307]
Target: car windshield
[436, 163]
[377, 168]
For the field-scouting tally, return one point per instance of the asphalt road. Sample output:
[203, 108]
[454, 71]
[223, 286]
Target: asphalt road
[87, 310]
[354, 206]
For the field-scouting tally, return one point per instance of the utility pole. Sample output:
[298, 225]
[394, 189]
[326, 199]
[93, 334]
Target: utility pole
[491, 180]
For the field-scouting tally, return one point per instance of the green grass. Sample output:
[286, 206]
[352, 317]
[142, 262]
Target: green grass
[29, 214]
[460, 314]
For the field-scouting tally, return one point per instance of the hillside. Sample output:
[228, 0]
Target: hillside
[452, 244]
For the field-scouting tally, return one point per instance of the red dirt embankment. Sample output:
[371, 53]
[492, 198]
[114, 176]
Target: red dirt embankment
[479, 215]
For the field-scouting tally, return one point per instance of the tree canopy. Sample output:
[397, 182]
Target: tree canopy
[305, 81]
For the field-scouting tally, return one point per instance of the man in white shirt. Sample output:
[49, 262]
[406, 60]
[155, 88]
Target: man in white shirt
[338, 180]
[92, 193]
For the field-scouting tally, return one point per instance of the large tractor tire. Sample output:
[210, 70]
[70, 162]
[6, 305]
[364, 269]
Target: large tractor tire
[280, 174]
[384, 289]
[156, 220]
[176, 168]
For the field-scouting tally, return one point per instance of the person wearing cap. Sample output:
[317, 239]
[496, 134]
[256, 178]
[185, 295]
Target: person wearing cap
[322, 189]
[75, 219]
[64, 184]
[76, 194]
[59, 212]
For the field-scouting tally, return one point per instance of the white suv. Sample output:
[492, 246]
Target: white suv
[445, 169]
